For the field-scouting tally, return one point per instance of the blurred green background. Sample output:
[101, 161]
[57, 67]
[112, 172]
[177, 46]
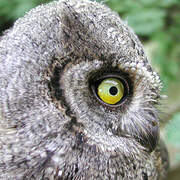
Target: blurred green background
[157, 23]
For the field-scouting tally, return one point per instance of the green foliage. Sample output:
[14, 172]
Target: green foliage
[13, 9]
[173, 133]
[172, 138]
[10, 10]
[147, 21]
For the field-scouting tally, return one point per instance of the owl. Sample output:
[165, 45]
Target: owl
[78, 98]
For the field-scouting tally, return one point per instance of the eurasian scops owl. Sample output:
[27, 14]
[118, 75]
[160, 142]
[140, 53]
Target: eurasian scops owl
[78, 98]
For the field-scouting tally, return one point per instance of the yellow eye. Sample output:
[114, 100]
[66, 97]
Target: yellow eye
[111, 90]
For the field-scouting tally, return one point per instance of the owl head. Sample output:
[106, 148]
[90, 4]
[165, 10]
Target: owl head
[73, 74]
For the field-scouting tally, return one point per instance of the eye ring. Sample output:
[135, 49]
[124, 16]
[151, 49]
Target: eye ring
[122, 78]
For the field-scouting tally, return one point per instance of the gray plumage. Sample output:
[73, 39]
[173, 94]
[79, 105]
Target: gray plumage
[52, 124]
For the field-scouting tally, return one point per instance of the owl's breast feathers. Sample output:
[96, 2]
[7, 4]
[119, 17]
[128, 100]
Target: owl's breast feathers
[53, 122]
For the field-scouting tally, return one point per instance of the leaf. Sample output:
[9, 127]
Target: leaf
[173, 131]
[123, 5]
[146, 21]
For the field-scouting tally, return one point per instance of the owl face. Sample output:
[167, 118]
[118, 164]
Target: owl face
[78, 88]
[111, 52]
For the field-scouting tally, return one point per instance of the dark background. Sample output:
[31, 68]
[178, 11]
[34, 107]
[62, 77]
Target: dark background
[157, 23]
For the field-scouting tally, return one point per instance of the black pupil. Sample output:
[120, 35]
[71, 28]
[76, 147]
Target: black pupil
[113, 90]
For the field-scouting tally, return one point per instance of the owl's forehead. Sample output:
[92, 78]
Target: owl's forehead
[100, 29]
